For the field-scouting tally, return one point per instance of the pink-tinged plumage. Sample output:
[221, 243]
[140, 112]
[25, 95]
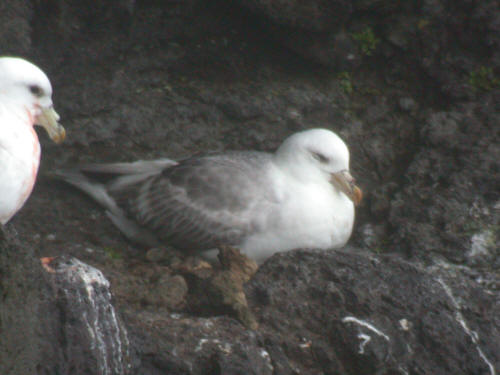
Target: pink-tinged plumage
[25, 101]
[29, 182]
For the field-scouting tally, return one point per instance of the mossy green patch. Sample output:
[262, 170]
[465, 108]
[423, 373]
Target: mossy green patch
[483, 79]
[345, 82]
[367, 41]
[112, 253]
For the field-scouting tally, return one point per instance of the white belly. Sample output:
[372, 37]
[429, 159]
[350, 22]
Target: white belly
[19, 159]
[314, 217]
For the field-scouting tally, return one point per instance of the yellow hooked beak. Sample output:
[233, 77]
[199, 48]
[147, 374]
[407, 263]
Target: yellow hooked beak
[346, 183]
[49, 120]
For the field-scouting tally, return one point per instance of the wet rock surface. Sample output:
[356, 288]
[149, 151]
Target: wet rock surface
[93, 338]
[352, 313]
[412, 88]
[57, 316]
[25, 298]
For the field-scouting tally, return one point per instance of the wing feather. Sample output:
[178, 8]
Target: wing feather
[200, 203]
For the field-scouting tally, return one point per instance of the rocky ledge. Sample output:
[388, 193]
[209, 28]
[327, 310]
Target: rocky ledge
[342, 312]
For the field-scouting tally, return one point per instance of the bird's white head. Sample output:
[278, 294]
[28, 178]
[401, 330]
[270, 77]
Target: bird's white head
[25, 87]
[318, 155]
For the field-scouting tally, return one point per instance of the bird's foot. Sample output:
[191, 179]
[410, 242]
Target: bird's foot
[233, 260]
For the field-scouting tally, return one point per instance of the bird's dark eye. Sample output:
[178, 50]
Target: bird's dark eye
[320, 157]
[36, 90]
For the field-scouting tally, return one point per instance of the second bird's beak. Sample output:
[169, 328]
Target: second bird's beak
[49, 118]
[346, 183]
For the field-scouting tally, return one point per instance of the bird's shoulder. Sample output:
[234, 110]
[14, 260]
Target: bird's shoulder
[211, 182]
[218, 180]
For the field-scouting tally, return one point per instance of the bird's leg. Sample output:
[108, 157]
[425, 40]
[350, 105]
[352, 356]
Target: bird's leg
[237, 269]
[233, 260]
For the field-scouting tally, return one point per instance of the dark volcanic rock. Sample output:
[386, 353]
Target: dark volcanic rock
[315, 15]
[179, 344]
[15, 36]
[346, 313]
[318, 312]
[94, 340]
[427, 39]
[332, 312]
[453, 175]
[28, 319]
[56, 316]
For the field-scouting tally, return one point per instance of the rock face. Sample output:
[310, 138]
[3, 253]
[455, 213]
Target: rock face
[27, 317]
[318, 312]
[57, 317]
[94, 339]
[349, 313]
[15, 18]
[453, 176]
[413, 88]
[318, 15]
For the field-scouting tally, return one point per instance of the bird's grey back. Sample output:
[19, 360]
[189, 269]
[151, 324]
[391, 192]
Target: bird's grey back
[202, 201]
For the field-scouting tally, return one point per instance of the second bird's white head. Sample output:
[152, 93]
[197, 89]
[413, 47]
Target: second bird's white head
[25, 87]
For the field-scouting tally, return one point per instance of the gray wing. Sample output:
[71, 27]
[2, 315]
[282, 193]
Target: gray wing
[201, 202]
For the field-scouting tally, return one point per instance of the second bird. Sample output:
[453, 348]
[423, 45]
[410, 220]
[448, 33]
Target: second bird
[301, 196]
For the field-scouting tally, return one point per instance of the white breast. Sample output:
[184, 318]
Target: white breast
[19, 160]
[312, 216]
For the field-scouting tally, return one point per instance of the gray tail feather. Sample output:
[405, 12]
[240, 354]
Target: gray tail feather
[120, 175]
[96, 190]
[116, 175]
[99, 192]
[139, 167]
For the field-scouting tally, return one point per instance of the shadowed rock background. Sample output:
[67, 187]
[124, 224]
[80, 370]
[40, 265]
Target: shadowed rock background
[412, 87]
